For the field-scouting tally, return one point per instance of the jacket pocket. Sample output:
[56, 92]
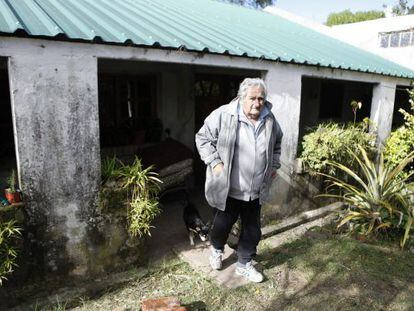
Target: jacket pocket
[216, 187]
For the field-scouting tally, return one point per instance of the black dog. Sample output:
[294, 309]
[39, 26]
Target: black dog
[194, 223]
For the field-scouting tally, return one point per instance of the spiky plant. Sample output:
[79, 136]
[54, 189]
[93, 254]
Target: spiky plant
[376, 198]
[8, 254]
[142, 186]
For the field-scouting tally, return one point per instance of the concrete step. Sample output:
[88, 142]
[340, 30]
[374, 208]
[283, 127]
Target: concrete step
[295, 233]
[302, 218]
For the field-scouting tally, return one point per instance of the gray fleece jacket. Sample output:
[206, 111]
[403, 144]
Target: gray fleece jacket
[215, 143]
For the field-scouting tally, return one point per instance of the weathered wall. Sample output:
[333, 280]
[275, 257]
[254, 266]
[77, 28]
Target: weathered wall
[54, 100]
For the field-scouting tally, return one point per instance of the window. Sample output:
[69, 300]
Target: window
[405, 38]
[396, 39]
[384, 40]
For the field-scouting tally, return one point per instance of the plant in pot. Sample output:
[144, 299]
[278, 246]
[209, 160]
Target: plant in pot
[11, 192]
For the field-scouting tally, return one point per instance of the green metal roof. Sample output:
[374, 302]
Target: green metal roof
[196, 25]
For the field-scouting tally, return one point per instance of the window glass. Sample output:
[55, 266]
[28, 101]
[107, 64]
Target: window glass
[405, 38]
[394, 40]
[384, 38]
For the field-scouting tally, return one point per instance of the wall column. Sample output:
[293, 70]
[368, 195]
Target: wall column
[284, 92]
[382, 107]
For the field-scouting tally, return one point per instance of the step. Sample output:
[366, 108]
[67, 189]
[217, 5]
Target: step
[295, 233]
[302, 218]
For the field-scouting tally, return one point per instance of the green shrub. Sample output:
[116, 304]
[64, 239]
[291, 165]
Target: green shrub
[377, 200]
[134, 187]
[329, 142]
[401, 141]
[8, 254]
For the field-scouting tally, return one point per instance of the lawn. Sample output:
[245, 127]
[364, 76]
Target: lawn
[317, 272]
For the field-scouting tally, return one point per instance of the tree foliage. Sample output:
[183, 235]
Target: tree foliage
[347, 17]
[403, 8]
[257, 4]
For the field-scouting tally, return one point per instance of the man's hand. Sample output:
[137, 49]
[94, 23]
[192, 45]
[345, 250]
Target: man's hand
[273, 174]
[218, 168]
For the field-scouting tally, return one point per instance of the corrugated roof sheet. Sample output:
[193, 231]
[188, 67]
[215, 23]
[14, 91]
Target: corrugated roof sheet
[196, 25]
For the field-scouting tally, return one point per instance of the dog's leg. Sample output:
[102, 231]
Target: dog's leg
[191, 236]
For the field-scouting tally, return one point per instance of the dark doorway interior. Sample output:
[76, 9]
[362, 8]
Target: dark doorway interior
[332, 96]
[7, 148]
[324, 100]
[401, 102]
[127, 110]
[211, 92]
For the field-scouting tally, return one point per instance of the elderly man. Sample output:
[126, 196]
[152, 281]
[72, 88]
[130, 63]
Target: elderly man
[240, 143]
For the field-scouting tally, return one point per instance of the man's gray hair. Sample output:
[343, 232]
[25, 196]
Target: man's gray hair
[251, 82]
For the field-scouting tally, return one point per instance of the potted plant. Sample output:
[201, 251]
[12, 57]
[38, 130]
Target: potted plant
[11, 192]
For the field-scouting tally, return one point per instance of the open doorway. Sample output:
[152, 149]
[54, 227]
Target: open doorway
[324, 100]
[7, 147]
[139, 104]
[402, 101]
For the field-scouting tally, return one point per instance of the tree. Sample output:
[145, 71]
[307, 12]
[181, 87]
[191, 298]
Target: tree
[347, 17]
[257, 4]
[403, 8]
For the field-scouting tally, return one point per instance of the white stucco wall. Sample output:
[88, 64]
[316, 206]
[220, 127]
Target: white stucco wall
[363, 34]
[366, 35]
[55, 114]
[382, 109]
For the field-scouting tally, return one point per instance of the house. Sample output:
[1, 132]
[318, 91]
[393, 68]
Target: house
[390, 37]
[77, 74]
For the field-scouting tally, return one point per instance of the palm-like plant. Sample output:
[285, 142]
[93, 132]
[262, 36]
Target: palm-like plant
[376, 198]
[142, 186]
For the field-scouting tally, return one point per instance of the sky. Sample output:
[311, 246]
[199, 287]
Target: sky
[318, 10]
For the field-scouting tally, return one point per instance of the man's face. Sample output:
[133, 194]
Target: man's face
[253, 103]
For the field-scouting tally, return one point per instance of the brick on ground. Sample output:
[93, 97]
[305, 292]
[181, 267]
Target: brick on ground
[162, 304]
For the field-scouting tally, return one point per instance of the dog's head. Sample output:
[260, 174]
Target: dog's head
[203, 231]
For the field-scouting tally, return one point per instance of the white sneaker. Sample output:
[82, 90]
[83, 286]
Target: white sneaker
[216, 258]
[249, 272]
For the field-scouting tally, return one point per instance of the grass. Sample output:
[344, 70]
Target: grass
[317, 272]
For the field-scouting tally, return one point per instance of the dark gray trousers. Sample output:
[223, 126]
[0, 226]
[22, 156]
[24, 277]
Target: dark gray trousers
[250, 234]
